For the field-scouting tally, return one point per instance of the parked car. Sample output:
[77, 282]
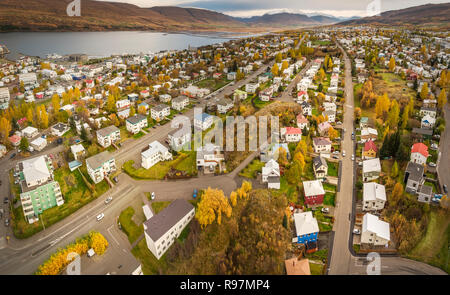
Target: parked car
[335, 157]
[353, 157]
[5, 200]
[108, 200]
[116, 179]
[194, 195]
[343, 153]
[153, 196]
[325, 210]
[431, 164]
[59, 141]
[356, 231]
[445, 188]
[100, 216]
[6, 222]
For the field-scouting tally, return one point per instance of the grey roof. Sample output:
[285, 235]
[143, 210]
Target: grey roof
[136, 119]
[60, 127]
[97, 161]
[415, 171]
[273, 179]
[179, 99]
[423, 131]
[107, 130]
[224, 102]
[160, 107]
[319, 161]
[159, 224]
[426, 190]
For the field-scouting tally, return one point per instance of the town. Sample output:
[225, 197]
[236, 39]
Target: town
[90, 146]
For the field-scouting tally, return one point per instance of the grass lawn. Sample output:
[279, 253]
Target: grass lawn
[329, 199]
[131, 229]
[333, 169]
[320, 255]
[150, 265]
[212, 84]
[393, 85]
[76, 194]
[138, 135]
[316, 269]
[185, 161]
[260, 104]
[124, 134]
[251, 170]
[329, 187]
[159, 206]
[324, 222]
[433, 248]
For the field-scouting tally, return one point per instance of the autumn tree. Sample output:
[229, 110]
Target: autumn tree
[5, 129]
[275, 70]
[332, 133]
[394, 169]
[211, 206]
[382, 105]
[442, 99]
[392, 64]
[56, 103]
[98, 242]
[424, 91]
[393, 115]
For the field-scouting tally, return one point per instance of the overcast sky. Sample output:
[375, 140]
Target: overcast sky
[247, 8]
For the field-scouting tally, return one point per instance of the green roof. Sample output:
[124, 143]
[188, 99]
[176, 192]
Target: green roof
[42, 198]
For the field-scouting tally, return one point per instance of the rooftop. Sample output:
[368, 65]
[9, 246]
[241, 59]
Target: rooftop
[97, 161]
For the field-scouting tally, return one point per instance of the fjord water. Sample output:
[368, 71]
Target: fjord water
[102, 44]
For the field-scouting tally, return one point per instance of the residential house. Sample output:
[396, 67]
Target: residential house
[123, 114]
[78, 151]
[374, 196]
[330, 116]
[369, 150]
[425, 194]
[428, 111]
[30, 132]
[306, 108]
[15, 140]
[307, 229]
[419, 153]
[363, 123]
[271, 174]
[160, 112]
[313, 192]
[203, 121]
[38, 144]
[323, 128]
[371, 169]
[322, 145]
[179, 138]
[209, 157]
[123, 104]
[136, 123]
[155, 154]
[272, 151]
[162, 229]
[320, 167]
[165, 98]
[108, 135]
[231, 76]
[369, 134]
[100, 166]
[39, 190]
[59, 129]
[3, 150]
[297, 267]
[427, 122]
[224, 105]
[302, 122]
[291, 134]
[239, 95]
[375, 232]
[251, 87]
[180, 102]
[413, 177]
[302, 96]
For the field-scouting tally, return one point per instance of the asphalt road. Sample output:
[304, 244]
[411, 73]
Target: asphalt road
[444, 150]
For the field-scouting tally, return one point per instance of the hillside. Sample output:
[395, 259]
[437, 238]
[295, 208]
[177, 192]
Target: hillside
[429, 14]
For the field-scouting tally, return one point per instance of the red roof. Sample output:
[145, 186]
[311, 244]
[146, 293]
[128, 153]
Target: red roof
[301, 119]
[302, 93]
[293, 130]
[370, 145]
[15, 138]
[420, 148]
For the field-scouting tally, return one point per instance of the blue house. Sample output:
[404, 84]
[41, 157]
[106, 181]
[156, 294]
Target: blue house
[306, 227]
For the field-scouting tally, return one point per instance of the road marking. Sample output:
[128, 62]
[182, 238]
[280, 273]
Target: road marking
[109, 228]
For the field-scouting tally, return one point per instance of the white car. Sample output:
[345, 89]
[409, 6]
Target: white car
[108, 200]
[100, 216]
[431, 164]
[356, 231]
[325, 210]
[343, 153]
[353, 157]
[153, 196]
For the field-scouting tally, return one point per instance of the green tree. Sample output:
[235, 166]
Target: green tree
[24, 144]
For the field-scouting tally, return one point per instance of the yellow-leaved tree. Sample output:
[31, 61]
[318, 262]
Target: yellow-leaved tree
[211, 206]
[98, 242]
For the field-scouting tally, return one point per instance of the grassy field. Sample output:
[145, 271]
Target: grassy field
[393, 85]
[150, 265]
[138, 135]
[131, 229]
[434, 246]
[159, 206]
[251, 170]
[333, 169]
[316, 269]
[329, 187]
[212, 84]
[185, 161]
[329, 199]
[76, 194]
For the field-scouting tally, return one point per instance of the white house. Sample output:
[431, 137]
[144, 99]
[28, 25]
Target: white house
[427, 122]
[302, 122]
[251, 87]
[162, 229]
[371, 169]
[306, 108]
[100, 166]
[291, 134]
[224, 105]
[374, 231]
[179, 138]
[321, 145]
[203, 121]
[374, 196]
[165, 98]
[136, 123]
[59, 129]
[271, 174]
[39, 144]
[419, 153]
[209, 156]
[123, 104]
[30, 132]
[180, 102]
[78, 151]
[154, 154]
[160, 112]
[108, 135]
